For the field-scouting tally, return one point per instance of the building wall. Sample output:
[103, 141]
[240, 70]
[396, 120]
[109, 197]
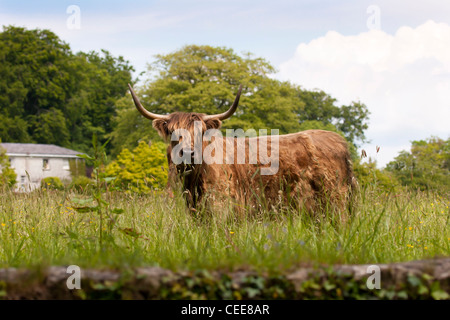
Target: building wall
[57, 167]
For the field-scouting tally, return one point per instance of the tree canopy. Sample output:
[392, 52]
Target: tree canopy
[7, 174]
[425, 166]
[48, 94]
[205, 79]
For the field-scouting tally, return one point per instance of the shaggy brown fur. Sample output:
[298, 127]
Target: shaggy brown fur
[315, 170]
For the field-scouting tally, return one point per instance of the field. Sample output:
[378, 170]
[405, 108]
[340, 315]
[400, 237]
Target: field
[48, 227]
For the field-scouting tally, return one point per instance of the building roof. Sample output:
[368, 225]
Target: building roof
[34, 149]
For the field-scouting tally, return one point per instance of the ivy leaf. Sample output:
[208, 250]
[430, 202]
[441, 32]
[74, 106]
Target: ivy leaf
[437, 293]
[414, 281]
[422, 290]
[328, 285]
[440, 295]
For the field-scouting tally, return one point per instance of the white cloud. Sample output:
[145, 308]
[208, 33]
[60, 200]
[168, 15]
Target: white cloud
[404, 79]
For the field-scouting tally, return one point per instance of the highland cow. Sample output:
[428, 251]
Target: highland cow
[313, 168]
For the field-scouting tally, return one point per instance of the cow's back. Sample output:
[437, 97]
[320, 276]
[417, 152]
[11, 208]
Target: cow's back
[314, 168]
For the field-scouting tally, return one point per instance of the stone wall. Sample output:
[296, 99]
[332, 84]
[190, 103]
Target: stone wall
[425, 279]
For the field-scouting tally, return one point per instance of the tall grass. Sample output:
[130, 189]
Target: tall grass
[42, 228]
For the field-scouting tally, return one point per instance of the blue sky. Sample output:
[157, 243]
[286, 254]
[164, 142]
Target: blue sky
[316, 44]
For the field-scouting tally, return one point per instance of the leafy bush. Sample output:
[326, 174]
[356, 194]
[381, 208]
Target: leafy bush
[141, 170]
[425, 166]
[81, 183]
[7, 174]
[52, 183]
[367, 174]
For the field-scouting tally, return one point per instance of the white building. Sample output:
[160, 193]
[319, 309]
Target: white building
[33, 162]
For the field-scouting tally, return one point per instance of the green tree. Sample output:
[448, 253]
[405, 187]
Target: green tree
[130, 128]
[7, 174]
[50, 127]
[367, 174]
[14, 129]
[48, 94]
[425, 166]
[351, 120]
[140, 170]
[205, 79]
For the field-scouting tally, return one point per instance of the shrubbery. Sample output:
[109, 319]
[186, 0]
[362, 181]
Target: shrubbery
[52, 183]
[141, 170]
[425, 166]
[7, 174]
[368, 174]
[81, 183]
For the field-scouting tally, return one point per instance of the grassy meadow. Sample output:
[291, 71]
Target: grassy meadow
[49, 227]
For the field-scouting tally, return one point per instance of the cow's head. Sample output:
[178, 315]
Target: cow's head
[167, 124]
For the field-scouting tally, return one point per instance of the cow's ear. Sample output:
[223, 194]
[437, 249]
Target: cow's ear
[213, 124]
[161, 126]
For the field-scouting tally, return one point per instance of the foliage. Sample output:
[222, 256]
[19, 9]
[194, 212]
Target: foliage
[351, 120]
[50, 95]
[260, 251]
[77, 167]
[425, 166]
[205, 79]
[142, 170]
[7, 174]
[49, 228]
[368, 174]
[324, 283]
[52, 183]
[96, 203]
[81, 183]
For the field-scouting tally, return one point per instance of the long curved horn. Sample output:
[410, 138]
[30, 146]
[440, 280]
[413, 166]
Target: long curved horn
[142, 110]
[229, 113]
